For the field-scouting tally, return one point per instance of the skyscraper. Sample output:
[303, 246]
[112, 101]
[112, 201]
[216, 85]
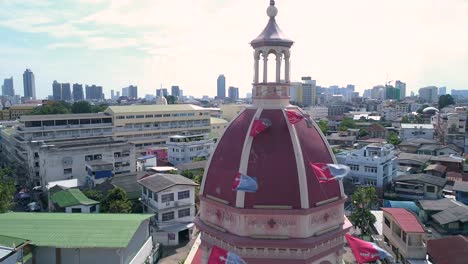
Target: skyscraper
[442, 91]
[66, 92]
[221, 87]
[7, 87]
[29, 84]
[429, 94]
[125, 91]
[162, 92]
[233, 93]
[94, 92]
[402, 86]
[112, 94]
[175, 91]
[309, 91]
[133, 91]
[78, 94]
[56, 91]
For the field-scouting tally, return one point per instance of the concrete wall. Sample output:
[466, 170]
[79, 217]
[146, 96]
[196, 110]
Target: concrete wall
[138, 240]
[84, 209]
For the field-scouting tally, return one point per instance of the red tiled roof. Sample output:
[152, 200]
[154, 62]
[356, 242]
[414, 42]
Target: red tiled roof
[449, 250]
[405, 219]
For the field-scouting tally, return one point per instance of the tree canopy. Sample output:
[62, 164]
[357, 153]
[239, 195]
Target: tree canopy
[171, 99]
[7, 190]
[393, 139]
[323, 125]
[116, 201]
[347, 123]
[62, 107]
[363, 199]
[446, 100]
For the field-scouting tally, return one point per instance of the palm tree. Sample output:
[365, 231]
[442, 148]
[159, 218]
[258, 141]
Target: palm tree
[364, 198]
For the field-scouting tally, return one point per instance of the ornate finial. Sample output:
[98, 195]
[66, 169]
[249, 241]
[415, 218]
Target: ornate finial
[272, 11]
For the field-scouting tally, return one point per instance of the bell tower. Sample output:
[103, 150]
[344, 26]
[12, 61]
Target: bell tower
[271, 89]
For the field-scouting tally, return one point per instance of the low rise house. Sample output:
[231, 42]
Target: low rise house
[408, 131]
[73, 201]
[171, 198]
[146, 162]
[436, 170]
[413, 144]
[404, 235]
[12, 250]
[415, 161]
[82, 238]
[186, 149]
[419, 186]
[461, 191]
[452, 163]
[448, 250]
[341, 139]
[447, 215]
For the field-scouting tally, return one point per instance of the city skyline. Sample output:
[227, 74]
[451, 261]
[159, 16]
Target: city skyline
[117, 43]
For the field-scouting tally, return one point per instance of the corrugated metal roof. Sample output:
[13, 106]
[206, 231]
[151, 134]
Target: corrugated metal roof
[460, 186]
[405, 219]
[11, 242]
[153, 108]
[448, 250]
[72, 230]
[452, 214]
[159, 182]
[437, 205]
[71, 197]
[426, 178]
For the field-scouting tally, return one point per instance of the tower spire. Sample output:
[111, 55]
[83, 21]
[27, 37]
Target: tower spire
[272, 2]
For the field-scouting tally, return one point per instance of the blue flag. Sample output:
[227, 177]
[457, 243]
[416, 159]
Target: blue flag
[245, 183]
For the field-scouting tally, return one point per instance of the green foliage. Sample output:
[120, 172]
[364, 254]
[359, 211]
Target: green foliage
[61, 107]
[446, 100]
[94, 195]
[393, 139]
[363, 199]
[363, 132]
[323, 125]
[7, 190]
[171, 99]
[336, 150]
[347, 123]
[405, 120]
[116, 201]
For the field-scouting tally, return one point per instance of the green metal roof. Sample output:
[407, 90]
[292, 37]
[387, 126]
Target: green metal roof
[72, 230]
[216, 121]
[11, 242]
[152, 108]
[71, 197]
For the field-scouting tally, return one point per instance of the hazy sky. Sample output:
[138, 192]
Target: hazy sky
[116, 43]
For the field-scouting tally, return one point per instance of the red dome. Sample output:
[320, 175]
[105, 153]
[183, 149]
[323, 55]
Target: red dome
[279, 158]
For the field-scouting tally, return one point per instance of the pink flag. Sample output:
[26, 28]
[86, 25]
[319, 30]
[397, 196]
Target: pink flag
[365, 251]
[259, 126]
[327, 172]
[293, 116]
[222, 256]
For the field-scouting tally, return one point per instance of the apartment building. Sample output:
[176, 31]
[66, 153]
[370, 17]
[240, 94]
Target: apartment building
[151, 125]
[412, 131]
[186, 149]
[373, 165]
[45, 148]
[419, 186]
[404, 236]
[171, 198]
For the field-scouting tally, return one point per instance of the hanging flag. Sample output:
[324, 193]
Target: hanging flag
[364, 251]
[307, 118]
[294, 117]
[327, 172]
[245, 183]
[222, 256]
[259, 126]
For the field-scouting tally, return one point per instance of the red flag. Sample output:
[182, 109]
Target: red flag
[294, 117]
[327, 172]
[222, 256]
[259, 126]
[364, 251]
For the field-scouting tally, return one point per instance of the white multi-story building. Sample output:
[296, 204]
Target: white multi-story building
[372, 165]
[317, 112]
[410, 131]
[186, 149]
[171, 198]
[151, 125]
[46, 148]
[429, 94]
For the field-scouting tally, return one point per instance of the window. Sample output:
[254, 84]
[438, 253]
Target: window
[149, 116]
[76, 210]
[354, 167]
[67, 171]
[155, 197]
[89, 158]
[120, 117]
[145, 191]
[370, 169]
[169, 197]
[130, 117]
[430, 189]
[183, 195]
[150, 194]
[387, 222]
[36, 164]
[92, 209]
[140, 116]
[97, 157]
[36, 155]
[168, 216]
[184, 212]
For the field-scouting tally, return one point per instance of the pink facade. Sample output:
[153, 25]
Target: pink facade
[292, 217]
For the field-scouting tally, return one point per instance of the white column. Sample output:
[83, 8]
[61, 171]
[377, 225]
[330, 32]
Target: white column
[265, 67]
[205, 254]
[256, 69]
[278, 68]
[286, 68]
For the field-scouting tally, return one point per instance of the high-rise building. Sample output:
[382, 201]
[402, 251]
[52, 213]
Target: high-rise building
[402, 86]
[460, 93]
[162, 92]
[7, 87]
[429, 94]
[112, 94]
[132, 91]
[78, 94]
[295, 92]
[378, 92]
[442, 90]
[66, 92]
[392, 93]
[125, 91]
[94, 92]
[29, 84]
[309, 91]
[118, 95]
[175, 91]
[56, 91]
[221, 87]
[233, 93]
